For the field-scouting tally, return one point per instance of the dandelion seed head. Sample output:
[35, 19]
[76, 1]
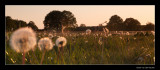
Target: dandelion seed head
[45, 43]
[50, 36]
[105, 30]
[23, 39]
[153, 32]
[127, 33]
[88, 31]
[120, 37]
[61, 41]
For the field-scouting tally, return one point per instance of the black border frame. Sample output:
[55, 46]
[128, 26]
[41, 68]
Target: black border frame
[82, 2]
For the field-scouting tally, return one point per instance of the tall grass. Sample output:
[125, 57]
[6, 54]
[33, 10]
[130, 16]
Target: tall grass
[85, 49]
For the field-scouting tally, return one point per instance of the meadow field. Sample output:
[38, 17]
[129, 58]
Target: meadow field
[95, 48]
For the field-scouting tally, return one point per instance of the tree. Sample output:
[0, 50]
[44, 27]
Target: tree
[132, 24]
[12, 24]
[59, 20]
[32, 25]
[115, 23]
[82, 25]
[149, 26]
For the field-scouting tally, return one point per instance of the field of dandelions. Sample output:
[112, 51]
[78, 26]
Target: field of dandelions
[116, 47]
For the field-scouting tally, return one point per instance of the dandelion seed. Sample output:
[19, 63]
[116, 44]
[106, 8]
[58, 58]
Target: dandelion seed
[23, 39]
[45, 43]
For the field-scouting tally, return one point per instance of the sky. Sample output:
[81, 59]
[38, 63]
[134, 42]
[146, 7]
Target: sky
[90, 15]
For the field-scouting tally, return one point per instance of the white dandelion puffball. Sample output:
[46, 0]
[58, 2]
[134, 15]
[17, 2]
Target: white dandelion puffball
[50, 36]
[127, 33]
[153, 33]
[105, 30]
[45, 43]
[61, 41]
[88, 31]
[23, 39]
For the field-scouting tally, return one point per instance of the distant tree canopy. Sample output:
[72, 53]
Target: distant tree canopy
[59, 20]
[12, 24]
[32, 25]
[82, 25]
[132, 24]
[115, 23]
[149, 26]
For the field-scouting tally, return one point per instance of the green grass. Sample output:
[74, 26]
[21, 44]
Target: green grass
[79, 51]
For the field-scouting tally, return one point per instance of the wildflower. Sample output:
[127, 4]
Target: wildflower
[45, 43]
[154, 40]
[61, 42]
[88, 31]
[23, 39]
[134, 38]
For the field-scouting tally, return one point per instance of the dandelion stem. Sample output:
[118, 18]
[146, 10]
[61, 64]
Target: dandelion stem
[23, 58]
[43, 56]
[58, 55]
[62, 53]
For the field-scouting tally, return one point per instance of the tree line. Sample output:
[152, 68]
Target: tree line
[13, 24]
[65, 20]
